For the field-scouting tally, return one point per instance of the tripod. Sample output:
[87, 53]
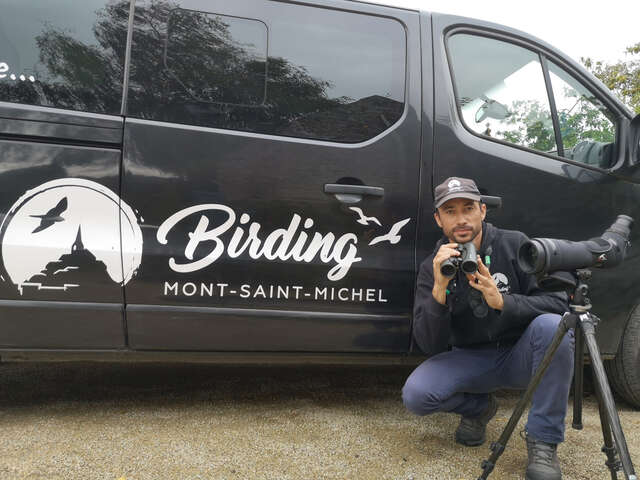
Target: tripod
[584, 324]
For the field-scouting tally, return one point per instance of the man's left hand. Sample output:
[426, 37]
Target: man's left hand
[483, 281]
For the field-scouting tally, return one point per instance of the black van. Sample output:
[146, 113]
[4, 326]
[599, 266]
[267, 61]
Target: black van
[253, 179]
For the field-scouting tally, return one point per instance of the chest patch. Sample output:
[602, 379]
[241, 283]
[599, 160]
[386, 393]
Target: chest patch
[502, 282]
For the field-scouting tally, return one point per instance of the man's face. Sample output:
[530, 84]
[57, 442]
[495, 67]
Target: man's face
[461, 219]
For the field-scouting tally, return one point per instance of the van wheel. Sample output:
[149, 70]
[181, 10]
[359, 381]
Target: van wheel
[624, 370]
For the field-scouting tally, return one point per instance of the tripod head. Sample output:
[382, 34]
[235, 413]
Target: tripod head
[575, 283]
[579, 301]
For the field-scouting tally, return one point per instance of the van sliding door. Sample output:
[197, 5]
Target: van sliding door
[272, 150]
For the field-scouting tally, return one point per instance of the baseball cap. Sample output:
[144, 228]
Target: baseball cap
[456, 187]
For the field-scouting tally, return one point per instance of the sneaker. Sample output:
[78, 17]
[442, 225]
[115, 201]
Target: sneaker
[472, 430]
[543, 460]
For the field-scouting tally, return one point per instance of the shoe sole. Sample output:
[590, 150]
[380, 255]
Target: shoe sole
[471, 443]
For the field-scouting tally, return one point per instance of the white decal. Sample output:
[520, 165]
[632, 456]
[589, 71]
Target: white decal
[39, 286]
[52, 216]
[392, 237]
[283, 243]
[364, 220]
[502, 282]
[4, 68]
[68, 229]
[454, 184]
[275, 292]
[66, 269]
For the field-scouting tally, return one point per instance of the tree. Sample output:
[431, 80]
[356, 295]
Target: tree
[623, 77]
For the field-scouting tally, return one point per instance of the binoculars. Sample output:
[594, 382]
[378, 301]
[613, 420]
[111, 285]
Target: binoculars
[467, 261]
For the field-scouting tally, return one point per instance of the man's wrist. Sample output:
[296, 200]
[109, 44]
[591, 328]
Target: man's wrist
[500, 303]
[440, 294]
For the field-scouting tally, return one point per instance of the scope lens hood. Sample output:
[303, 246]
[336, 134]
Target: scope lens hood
[531, 256]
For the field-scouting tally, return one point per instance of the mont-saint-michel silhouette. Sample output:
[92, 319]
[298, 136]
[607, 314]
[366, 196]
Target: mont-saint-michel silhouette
[69, 272]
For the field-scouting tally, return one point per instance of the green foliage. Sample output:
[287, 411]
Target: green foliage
[623, 77]
[586, 123]
[530, 126]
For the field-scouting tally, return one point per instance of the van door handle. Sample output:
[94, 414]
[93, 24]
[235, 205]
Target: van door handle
[352, 193]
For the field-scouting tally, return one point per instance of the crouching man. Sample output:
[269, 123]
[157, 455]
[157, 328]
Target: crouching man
[499, 324]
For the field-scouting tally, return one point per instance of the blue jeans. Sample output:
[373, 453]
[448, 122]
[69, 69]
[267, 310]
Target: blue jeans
[460, 380]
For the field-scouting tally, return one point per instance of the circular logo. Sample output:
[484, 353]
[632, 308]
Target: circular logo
[453, 184]
[67, 230]
[502, 282]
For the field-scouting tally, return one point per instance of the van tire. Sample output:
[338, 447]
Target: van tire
[624, 370]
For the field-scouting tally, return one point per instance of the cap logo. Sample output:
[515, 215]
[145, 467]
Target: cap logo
[454, 185]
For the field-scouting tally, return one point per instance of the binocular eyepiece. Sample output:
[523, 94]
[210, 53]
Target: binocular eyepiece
[467, 261]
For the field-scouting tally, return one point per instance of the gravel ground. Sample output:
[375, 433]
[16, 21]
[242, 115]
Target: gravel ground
[114, 421]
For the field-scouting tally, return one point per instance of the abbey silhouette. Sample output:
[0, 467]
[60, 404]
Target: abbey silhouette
[69, 272]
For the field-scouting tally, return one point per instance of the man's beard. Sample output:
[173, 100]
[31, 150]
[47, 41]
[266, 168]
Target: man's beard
[468, 232]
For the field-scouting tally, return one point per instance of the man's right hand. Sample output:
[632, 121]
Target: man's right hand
[440, 282]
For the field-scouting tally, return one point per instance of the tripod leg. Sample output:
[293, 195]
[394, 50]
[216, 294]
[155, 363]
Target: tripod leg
[609, 450]
[567, 322]
[578, 376]
[603, 387]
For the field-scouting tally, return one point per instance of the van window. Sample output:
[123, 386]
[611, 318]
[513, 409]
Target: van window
[64, 54]
[587, 127]
[296, 71]
[501, 91]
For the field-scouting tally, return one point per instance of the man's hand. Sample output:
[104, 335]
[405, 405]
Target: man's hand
[483, 281]
[440, 282]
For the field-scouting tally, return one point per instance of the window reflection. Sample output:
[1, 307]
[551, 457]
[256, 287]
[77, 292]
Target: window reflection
[329, 75]
[501, 91]
[586, 126]
[305, 71]
[63, 54]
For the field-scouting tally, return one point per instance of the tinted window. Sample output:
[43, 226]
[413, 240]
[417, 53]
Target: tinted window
[587, 127]
[501, 91]
[64, 54]
[298, 71]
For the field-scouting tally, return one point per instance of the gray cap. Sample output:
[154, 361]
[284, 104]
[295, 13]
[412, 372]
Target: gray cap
[456, 187]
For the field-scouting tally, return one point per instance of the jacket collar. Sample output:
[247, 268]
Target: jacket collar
[488, 234]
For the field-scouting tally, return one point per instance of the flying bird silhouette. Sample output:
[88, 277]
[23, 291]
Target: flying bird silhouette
[51, 217]
[392, 237]
[364, 220]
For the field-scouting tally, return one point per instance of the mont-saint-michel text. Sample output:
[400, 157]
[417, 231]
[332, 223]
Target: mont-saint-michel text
[274, 292]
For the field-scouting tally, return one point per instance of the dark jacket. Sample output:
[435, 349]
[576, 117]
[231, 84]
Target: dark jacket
[435, 326]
